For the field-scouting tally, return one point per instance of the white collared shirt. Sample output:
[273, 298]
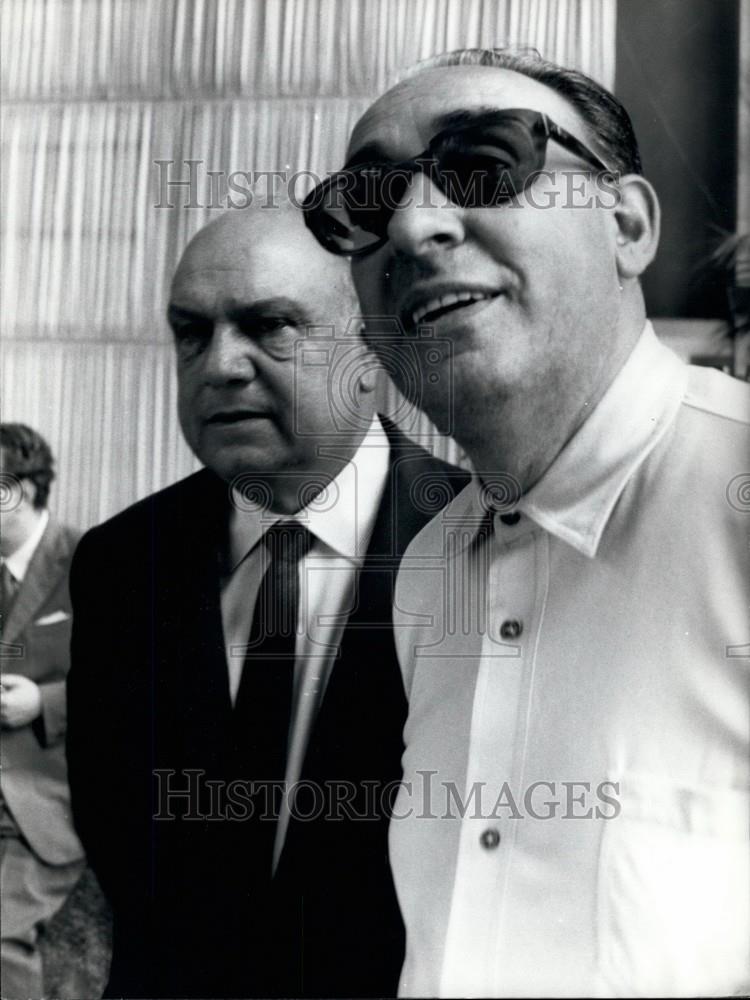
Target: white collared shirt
[578, 688]
[341, 519]
[18, 561]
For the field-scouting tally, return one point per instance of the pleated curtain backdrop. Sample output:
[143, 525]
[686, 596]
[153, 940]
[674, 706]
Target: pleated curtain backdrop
[95, 92]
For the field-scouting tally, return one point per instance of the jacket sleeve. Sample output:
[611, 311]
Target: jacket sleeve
[53, 715]
[109, 739]
[92, 771]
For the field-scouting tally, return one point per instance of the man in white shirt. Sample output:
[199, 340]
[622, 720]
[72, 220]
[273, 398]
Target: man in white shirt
[572, 628]
[41, 858]
[235, 786]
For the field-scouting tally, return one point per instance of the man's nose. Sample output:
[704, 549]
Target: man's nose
[425, 221]
[230, 355]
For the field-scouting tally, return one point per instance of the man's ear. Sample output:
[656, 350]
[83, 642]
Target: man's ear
[368, 367]
[28, 488]
[369, 371]
[638, 219]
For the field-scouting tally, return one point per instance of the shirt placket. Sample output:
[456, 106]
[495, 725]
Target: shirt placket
[492, 796]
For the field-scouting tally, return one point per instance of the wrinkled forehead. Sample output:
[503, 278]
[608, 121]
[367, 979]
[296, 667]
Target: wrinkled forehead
[402, 122]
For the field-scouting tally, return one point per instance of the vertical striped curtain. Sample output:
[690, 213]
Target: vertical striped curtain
[95, 92]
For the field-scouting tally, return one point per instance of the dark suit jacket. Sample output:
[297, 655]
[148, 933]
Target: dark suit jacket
[36, 641]
[196, 912]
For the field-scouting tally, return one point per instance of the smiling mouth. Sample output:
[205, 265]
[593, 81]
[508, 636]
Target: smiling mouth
[434, 309]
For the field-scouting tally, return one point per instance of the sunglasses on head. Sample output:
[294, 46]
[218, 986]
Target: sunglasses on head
[484, 163]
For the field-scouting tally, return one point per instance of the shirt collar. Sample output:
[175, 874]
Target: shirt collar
[18, 562]
[342, 518]
[577, 494]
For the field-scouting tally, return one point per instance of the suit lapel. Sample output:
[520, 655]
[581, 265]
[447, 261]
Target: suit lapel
[194, 687]
[366, 675]
[42, 577]
[193, 608]
[396, 522]
[419, 486]
[335, 874]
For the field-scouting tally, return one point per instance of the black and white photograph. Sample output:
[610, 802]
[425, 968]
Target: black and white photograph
[374, 499]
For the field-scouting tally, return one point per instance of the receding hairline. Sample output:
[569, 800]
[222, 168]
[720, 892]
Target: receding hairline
[418, 71]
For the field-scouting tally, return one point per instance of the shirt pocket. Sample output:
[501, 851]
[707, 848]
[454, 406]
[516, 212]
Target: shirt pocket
[673, 901]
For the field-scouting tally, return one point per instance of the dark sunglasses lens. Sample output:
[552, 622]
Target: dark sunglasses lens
[487, 166]
[350, 213]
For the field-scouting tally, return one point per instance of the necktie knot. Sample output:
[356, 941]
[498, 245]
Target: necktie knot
[274, 625]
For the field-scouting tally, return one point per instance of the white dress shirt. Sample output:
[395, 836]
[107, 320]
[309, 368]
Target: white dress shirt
[341, 520]
[18, 561]
[578, 689]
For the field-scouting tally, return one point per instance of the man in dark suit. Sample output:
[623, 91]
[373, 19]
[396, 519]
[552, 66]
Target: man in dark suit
[235, 700]
[41, 857]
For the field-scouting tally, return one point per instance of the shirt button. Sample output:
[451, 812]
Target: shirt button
[511, 628]
[490, 839]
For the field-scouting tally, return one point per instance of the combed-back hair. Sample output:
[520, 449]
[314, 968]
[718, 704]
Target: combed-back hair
[604, 117]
